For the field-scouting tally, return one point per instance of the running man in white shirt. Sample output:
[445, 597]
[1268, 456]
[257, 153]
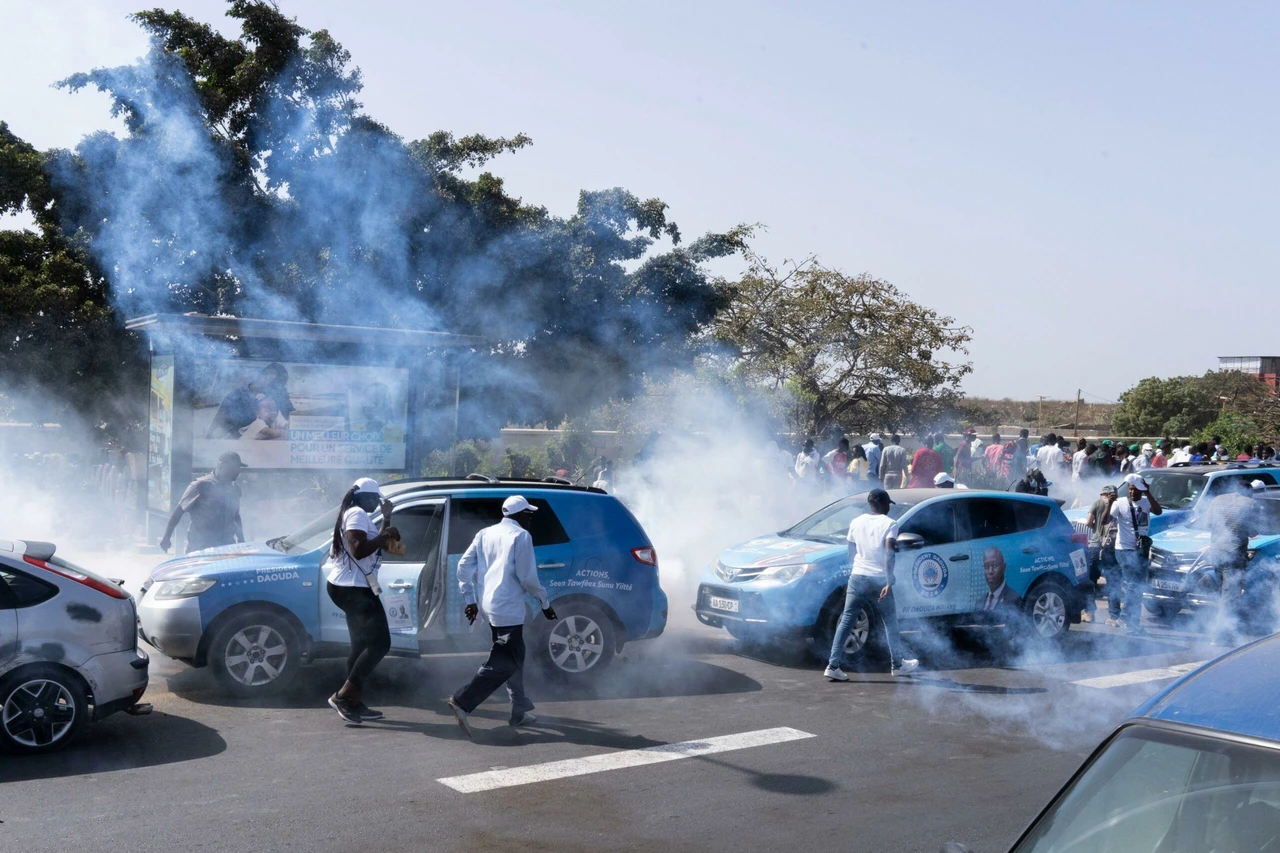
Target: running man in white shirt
[501, 564]
[872, 537]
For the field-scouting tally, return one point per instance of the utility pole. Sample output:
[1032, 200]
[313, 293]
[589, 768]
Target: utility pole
[1076, 426]
[1039, 412]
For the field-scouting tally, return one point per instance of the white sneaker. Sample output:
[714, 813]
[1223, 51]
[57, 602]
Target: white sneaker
[908, 665]
[835, 675]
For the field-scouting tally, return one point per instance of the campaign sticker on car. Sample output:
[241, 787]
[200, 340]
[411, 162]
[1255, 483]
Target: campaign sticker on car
[1080, 564]
[726, 604]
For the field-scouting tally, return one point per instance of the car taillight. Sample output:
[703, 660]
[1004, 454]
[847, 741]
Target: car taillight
[72, 575]
[648, 556]
[1080, 538]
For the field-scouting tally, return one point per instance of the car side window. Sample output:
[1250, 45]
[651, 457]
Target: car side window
[1029, 516]
[468, 516]
[20, 590]
[990, 517]
[935, 524]
[419, 528]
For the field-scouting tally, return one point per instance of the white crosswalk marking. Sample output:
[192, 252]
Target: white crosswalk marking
[493, 779]
[1140, 676]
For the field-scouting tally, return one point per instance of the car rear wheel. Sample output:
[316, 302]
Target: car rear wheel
[41, 710]
[577, 646]
[255, 653]
[857, 646]
[1046, 610]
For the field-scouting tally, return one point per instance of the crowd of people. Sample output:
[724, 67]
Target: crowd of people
[1052, 465]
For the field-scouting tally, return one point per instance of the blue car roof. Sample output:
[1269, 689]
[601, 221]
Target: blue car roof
[1238, 693]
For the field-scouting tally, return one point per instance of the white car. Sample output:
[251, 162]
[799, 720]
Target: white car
[68, 649]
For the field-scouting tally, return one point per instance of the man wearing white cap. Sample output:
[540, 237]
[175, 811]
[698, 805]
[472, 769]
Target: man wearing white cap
[943, 481]
[1142, 461]
[1131, 516]
[501, 564]
[874, 449]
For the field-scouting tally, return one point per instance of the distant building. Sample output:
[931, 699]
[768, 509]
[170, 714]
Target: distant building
[1265, 367]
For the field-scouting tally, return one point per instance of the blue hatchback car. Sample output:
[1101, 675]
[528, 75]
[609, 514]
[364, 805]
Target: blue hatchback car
[1195, 768]
[793, 582]
[256, 612]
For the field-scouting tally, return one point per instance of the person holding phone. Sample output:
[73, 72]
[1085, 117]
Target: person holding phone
[351, 569]
[494, 574]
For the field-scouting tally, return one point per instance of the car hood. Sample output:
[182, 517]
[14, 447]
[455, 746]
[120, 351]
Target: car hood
[1186, 541]
[229, 558]
[775, 550]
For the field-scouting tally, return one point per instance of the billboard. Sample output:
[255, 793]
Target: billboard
[282, 415]
[160, 435]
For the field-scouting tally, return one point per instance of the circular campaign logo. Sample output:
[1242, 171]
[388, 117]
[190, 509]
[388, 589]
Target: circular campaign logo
[929, 575]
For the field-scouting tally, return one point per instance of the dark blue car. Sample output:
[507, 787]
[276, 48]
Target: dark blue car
[258, 611]
[1197, 768]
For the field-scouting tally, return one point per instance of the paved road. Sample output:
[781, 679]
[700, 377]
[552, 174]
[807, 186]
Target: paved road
[968, 749]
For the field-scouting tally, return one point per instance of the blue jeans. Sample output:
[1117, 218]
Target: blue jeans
[1134, 573]
[883, 613]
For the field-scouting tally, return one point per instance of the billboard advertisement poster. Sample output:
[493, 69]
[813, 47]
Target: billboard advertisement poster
[282, 415]
[160, 434]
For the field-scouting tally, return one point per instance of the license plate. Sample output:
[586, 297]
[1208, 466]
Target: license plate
[1172, 586]
[727, 604]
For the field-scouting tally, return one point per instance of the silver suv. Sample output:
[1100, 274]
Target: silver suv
[68, 649]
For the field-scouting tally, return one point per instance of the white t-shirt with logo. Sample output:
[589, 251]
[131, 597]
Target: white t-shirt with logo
[867, 536]
[1126, 538]
[346, 570]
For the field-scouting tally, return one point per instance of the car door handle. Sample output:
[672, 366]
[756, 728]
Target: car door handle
[959, 558]
[400, 585]
[1031, 550]
[551, 565]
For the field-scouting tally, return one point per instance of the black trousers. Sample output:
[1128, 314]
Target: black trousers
[367, 625]
[504, 666]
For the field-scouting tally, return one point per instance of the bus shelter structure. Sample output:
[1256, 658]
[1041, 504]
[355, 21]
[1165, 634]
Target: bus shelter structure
[307, 406]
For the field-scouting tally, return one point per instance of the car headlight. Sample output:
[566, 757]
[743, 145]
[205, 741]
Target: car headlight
[785, 574]
[185, 588]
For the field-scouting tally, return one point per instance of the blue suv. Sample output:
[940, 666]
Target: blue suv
[793, 582]
[1184, 490]
[257, 612]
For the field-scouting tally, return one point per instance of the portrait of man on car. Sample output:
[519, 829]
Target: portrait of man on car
[999, 596]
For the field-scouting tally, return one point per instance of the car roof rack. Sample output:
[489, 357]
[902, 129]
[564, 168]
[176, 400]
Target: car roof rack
[561, 481]
[481, 481]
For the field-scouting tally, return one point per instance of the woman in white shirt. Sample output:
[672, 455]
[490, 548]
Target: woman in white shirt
[352, 572]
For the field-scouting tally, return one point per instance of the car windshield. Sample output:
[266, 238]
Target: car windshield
[831, 523]
[310, 537]
[1154, 790]
[1175, 489]
[1267, 518]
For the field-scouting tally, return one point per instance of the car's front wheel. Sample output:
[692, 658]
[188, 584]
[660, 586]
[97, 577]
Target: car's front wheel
[255, 653]
[41, 709]
[578, 645]
[857, 646]
[1046, 610]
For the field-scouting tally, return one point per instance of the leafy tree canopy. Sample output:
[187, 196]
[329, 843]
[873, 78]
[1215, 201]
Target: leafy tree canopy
[251, 181]
[1182, 405]
[852, 351]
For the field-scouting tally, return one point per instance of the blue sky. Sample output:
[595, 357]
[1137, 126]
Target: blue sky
[1064, 178]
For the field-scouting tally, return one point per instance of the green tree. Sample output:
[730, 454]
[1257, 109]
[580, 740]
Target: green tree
[1182, 405]
[62, 348]
[251, 181]
[852, 350]
[1238, 432]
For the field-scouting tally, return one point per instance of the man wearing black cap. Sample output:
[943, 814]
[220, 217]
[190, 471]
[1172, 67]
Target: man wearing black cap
[213, 502]
[872, 537]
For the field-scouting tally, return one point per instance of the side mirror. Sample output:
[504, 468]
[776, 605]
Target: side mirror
[909, 542]
[954, 847]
